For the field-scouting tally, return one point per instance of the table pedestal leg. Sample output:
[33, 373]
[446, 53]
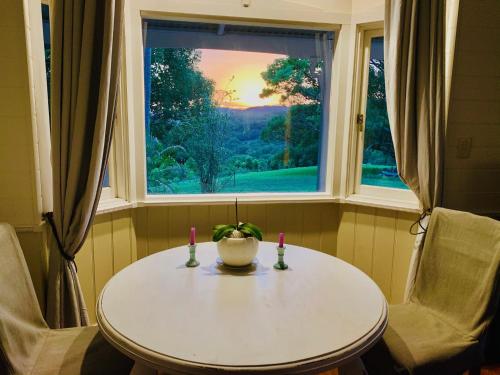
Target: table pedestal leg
[354, 367]
[142, 369]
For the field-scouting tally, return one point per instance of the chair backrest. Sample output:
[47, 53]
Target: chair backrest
[22, 326]
[458, 275]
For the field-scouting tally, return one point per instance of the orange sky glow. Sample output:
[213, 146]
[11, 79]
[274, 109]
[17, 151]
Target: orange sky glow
[239, 71]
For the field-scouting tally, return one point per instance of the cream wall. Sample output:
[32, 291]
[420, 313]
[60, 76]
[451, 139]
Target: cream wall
[18, 201]
[473, 183]
[18, 169]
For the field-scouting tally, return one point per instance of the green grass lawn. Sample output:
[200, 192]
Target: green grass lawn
[302, 179]
[371, 175]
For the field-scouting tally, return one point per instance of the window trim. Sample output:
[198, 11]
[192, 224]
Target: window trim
[135, 83]
[357, 192]
[117, 195]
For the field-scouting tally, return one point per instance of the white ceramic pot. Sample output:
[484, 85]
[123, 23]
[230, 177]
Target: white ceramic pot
[237, 252]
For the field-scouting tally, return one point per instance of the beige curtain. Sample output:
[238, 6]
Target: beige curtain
[415, 90]
[86, 36]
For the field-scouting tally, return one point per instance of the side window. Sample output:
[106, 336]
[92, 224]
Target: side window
[376, 163]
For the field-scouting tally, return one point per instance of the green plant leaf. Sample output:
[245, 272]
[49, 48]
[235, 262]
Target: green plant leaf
[218, 226]
[251, 230]
[222, 231]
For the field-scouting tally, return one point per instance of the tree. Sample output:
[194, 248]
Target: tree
[185, 123]
[300, 130]
[179, 91]
[378, 147]
[297, 82]
[204, 139]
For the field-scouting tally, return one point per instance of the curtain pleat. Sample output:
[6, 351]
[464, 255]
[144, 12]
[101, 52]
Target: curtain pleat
[85, 52]
[415, 91]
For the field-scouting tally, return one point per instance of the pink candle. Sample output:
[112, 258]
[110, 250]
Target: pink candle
[192, 236]
[282, 239]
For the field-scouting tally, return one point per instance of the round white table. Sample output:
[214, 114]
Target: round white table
[318, 314]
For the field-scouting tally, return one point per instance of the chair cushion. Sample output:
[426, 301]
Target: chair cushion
[423, 343]
[80, 350]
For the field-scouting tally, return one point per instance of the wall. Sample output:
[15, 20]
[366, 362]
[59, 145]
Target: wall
[379, 243]
[376, 241]
[472, 183]
[18, 204]
[18, 194]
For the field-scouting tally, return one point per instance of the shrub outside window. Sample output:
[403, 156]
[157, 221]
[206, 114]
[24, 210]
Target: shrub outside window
[235, 108]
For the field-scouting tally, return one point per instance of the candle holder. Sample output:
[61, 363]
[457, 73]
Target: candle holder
[281, 265]
[192, 262]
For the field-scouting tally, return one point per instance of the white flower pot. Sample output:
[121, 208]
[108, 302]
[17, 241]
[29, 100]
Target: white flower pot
[237, 252]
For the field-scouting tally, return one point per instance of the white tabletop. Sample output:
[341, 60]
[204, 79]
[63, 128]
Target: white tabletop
[317, 314]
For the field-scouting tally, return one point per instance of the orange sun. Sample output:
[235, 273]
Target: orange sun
[240, 74]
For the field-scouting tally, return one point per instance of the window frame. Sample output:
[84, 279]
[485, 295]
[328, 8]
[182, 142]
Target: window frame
[133, 62]
[357, 192]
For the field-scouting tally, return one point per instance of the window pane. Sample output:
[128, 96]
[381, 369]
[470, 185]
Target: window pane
[105, 181]
[46, 43]
[235, 108]
[379, 163]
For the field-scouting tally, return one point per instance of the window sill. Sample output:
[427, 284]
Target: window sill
[206, 199]
[377, 202]
[113, 205]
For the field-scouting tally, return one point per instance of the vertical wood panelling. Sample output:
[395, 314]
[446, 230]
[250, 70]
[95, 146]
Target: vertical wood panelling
[218, 215]
[291, 217]
[103, 251]
[379, 243]
[383, 249]
[140, 217]
[345, 239]
[200, 218]
[85, 261]
[179, 224]
[311, 221]
[122, 246]
[157, 228]
[274, 217]
[329, 228]
[256, 214]
[132, 236]
[363, 238]
[242, 213]
[403, 244]
[375, 240]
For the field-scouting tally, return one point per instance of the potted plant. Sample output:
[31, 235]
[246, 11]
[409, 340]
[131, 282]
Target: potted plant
[238, 243]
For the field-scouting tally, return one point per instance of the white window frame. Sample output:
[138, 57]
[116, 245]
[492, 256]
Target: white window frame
[117, 196]
[357, 192]
[214, 11]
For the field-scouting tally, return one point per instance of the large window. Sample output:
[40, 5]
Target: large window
[376, 150]
[235, 109]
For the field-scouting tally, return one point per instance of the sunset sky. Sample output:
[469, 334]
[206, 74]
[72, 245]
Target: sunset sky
[222, 65]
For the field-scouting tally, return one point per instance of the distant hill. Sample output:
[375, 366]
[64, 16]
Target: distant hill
[248, 123]
[255, 114]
